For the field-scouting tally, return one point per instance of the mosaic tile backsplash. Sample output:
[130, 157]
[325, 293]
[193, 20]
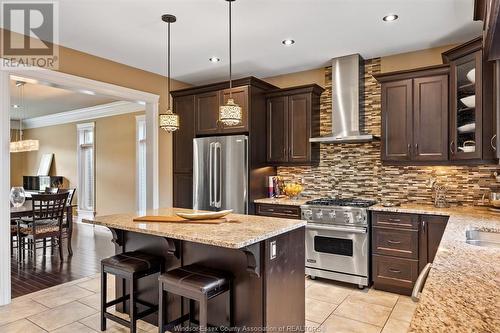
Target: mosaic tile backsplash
[355, 170]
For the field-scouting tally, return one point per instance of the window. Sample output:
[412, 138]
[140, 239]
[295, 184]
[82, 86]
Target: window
[140, 122]
[86, 170]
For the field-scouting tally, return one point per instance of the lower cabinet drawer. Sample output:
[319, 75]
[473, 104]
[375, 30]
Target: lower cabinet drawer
[401, 243]
[395, 220]
[394, 274]
[291, 212]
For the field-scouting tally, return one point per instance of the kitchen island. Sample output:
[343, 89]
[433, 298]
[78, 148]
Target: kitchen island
[265, 255]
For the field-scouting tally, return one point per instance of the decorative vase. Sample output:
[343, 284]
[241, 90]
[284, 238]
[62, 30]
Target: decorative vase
[17, 196]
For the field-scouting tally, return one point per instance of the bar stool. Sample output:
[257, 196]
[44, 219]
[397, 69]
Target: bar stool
[197, 283]
[130, 266]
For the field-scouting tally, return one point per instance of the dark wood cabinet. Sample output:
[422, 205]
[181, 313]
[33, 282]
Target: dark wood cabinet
[240, 96]
[183, 138]
[292, 119]
[207, 113]
[283, 211]
[183, 190]
[430, 118]
[198, 110]
[277, 129]
[431, 231]
[396, 120]
[472, 116]
[415, 115]
[299, 128]
[488, 11]
[402, 244]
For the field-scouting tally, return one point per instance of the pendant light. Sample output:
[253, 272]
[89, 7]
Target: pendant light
[231, 113]
[21, 145]
[169, 121]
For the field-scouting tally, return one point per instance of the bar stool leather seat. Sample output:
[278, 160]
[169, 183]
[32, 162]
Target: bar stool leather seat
[129, 266]
[196, 283]
[133, 262]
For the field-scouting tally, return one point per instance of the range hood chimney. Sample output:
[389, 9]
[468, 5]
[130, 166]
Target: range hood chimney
[347, 101]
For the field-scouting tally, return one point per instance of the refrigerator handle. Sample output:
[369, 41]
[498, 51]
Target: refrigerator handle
[211, 174]
[218, 175]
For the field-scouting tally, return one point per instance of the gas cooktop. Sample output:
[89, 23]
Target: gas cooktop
[341, 202]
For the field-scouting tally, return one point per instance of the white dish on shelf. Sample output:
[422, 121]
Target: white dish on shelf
[204, 215]
[468, 147]
[469, 101]
[467, 128]
[471, 75]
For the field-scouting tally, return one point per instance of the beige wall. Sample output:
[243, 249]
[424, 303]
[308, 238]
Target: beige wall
[410, 60]
[104, 70]
[396, 62]
[298, 78]
[115, 159]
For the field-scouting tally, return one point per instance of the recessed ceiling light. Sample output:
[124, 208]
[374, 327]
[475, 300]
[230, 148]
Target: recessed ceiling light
[288, 42]
[16, 106]
[214, 59]
[390, 17]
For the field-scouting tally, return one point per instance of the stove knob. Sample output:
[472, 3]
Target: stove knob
[319, 215]
[307, 214]
[359, 218]
[332, 214]
[347, 218]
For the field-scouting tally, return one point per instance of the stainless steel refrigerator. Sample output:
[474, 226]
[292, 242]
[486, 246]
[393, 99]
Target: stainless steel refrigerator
[220, 173]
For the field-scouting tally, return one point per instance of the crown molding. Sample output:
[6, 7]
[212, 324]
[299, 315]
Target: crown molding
[78, 115]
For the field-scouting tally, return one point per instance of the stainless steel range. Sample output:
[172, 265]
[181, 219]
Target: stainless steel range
[338, 239]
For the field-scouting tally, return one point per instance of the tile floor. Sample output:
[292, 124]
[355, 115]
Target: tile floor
[331, 307]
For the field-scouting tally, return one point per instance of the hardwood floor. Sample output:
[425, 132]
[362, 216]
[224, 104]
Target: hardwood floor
[90, 245]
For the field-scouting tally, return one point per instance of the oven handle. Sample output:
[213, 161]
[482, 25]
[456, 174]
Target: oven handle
[336, 228]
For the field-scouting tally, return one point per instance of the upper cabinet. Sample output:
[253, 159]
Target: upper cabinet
[207, 111]
[472, 119]
[441, 114]
[292, 119]
[415, 115]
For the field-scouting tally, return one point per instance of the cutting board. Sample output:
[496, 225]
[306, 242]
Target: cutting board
[177, 219]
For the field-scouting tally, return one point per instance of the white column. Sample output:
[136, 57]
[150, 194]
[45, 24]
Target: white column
[152, 159]
[5, 287]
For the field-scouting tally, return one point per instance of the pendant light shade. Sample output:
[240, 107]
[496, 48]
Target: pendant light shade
[168, 120]
[21, 145]
[231, 113]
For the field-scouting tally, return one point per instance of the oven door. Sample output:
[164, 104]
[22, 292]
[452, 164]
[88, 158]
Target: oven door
[337, 248]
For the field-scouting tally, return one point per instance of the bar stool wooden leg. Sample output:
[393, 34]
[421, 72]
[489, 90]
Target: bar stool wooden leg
[104, 290]
[203, 314]
[191, 312]
[132, 310]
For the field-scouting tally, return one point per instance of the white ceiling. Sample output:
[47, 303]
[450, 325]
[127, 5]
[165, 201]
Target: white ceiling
[131, 32]
[41, 100]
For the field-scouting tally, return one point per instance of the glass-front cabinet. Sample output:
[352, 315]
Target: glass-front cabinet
[466, 107]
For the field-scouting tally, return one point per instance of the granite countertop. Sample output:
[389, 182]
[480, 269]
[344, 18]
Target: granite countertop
[462, 291]
[246, 230]
[282, 201]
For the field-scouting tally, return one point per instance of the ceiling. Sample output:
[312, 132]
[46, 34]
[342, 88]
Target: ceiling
[131, 32]
[41, 100]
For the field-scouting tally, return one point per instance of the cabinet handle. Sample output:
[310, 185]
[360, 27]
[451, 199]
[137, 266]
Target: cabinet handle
[397, 271]
[419, 284]
[423, 225]
[409, 149]
[452, 144]
[416, 148]
[395, 220]
[393, 242]
[491, 142]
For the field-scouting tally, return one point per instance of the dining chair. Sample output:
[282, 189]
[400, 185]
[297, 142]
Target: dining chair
[14, 240]
[46, 222]
[68, 217]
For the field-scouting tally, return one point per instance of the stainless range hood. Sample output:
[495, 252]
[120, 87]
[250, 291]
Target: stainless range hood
[347, 101]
